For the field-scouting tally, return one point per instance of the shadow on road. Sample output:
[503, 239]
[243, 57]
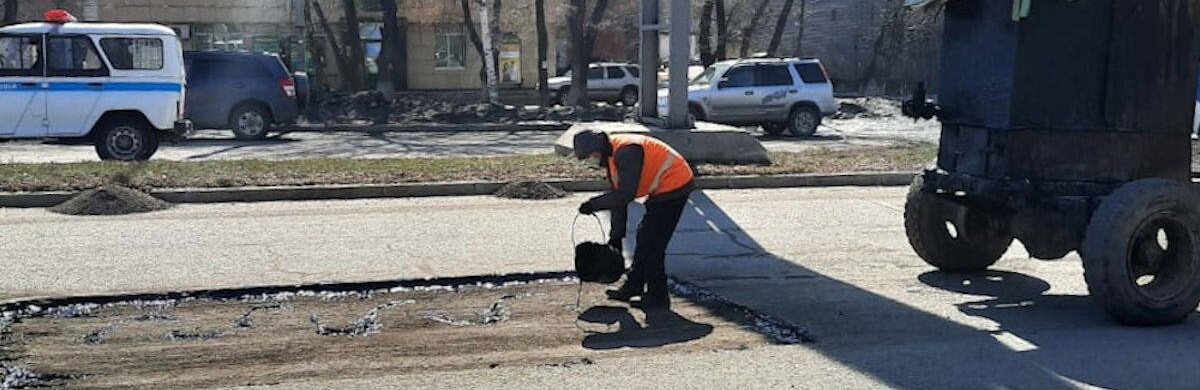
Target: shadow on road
[1068, 341]
[662, 327]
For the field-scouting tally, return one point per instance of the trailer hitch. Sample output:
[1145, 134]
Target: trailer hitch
[920, 106]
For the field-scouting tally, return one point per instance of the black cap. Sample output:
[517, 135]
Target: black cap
[590, 141]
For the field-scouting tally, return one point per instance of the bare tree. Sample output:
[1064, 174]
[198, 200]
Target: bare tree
[583, 31]
[355, 75]
[780, 24]
[722, 30]
[749, 29]
[887, 46]
[800, 29]
[344, 61]
[10, 11]
[315, 48]
[707, 57]
[394, 58]
[542, 42]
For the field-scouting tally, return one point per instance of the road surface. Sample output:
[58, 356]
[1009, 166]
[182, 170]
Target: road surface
[834, 260]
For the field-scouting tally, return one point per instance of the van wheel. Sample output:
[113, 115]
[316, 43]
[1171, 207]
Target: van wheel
[126, 139]
[804, 121]
[250, 122]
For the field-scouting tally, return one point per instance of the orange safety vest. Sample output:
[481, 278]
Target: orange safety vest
[663, 169]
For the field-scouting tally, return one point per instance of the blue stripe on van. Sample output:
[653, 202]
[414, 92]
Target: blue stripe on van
[83, 86]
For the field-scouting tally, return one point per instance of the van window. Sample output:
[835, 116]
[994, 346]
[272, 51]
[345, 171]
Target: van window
[634, 71]
[19, 56]
[739, 77]
[773, 75]
[133, 53]
[73, 56]
[811, 73]
[615, 73]
[595, 73]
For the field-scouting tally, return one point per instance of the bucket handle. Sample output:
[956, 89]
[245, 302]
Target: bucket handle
[575, 242]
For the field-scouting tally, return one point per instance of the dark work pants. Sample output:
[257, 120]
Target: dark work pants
[649, 257]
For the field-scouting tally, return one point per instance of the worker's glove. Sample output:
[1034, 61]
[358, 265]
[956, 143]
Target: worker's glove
[587, 209]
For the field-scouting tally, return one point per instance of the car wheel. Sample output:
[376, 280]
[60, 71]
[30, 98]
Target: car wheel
[563, 94]
[126, 139]
[629, 96]
[250, 122]
[697, 115]
[774, 128]
[804, 121]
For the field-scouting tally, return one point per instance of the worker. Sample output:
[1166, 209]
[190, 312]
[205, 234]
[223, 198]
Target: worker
[639, 167]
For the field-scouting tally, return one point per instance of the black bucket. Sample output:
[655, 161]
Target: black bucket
[598, 263]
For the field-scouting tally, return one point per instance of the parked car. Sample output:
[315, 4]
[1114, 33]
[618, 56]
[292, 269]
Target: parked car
[609, 82]
[776, 93]
[117, 86]
[244, 92]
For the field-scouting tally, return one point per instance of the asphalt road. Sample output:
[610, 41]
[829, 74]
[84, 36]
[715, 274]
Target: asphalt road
[219, 145]
[834, 260]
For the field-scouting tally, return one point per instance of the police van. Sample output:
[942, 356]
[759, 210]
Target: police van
[117, 86]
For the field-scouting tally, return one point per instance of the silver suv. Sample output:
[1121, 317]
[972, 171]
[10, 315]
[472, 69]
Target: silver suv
[777, 93]
[607, 81]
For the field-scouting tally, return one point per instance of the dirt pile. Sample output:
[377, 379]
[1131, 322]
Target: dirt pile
[376, 108]
[110, 200]
[867, 108]
[533, 190]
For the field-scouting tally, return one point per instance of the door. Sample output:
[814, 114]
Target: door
[21, 88]
[615, 80]
[77, 78]
[596, 87]
[777, 89]
[734, 99]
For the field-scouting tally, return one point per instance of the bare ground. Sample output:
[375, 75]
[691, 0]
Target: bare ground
[283, 339]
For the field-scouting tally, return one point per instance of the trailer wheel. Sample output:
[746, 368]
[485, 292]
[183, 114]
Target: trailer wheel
[1140, 253]
[972, 244]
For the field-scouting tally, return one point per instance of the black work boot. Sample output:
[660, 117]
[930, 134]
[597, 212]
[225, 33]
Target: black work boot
[626, 292]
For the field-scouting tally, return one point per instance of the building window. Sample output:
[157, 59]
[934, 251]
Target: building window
[133, 53]
[450, 48]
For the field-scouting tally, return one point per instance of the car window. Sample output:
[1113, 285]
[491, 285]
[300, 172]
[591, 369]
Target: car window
[811, 73]
[773, 75]
[72, 56]
[20, 55]
[615, 73]
[133, 53]
[739, 77]
[595, 73]
[634, 71]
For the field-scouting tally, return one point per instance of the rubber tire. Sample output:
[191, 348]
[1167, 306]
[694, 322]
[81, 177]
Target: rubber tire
[809, 130]
[148, 135]
[696, 114]
[774, 129]
[625, 96]
[925, 225]
[1107, 242]
[245, 108]
[562, 95]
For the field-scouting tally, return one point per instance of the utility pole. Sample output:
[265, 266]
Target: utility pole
[489, 88]
[681, 53]
[649, 60]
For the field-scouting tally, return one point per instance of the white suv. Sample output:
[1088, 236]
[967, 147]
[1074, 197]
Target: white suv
[119, 86]
[607, 81]
[777, 93]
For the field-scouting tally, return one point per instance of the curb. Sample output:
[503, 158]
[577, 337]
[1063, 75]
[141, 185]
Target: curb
[415, 190]
[429, 128]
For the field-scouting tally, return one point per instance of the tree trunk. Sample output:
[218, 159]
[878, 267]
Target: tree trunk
[356, 79]
[891, 36]
[722, 31]
[780, 25]
[342, 59]
[490, 93]
[543, 41]
[473, 33]
[706, 53]
[748, 31]
[594, 25]
[10, 11]
[579, 53]
[395, 46]
[315, 50]
[800, 29]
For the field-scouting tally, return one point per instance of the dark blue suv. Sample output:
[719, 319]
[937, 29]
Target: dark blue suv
[244, 92]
